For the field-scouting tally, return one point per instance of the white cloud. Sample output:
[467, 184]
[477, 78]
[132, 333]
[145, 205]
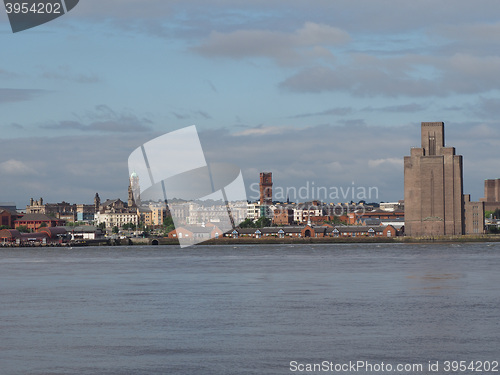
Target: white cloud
[262, 130]
[397, 162]
[16, 168]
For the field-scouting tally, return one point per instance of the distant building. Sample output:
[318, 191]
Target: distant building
[196, 232]
[116, 213]
[492, 190]
[474, 216]
[491, 195]
[283, 216]
[64, 210]
[314, 231]
[35, 221]
[266, 188]
[8, 216]
[391, 206]
[256, 210]
[135, 189]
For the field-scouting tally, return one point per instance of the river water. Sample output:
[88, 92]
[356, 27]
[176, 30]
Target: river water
[267, 309]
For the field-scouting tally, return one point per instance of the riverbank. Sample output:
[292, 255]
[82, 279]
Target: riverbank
[154, 241]
[302, 240]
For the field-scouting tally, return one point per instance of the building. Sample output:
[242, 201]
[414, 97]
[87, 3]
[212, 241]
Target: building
[266, 188]
[434, 201]
[196, 232]
[85, 213]
[491, 195]
[8, 216]
[314, 231]
[46, 235]
[474, 216]
[33, 222]
[283, 216]
[115, 213]
[255, 210]
[492, 190]
[356, 218]
[84, 232]
[64, 210]
[135, 188]
[433, 186]
[392, 206]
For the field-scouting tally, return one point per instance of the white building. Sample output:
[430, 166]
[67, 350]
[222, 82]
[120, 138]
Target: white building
[116, 219]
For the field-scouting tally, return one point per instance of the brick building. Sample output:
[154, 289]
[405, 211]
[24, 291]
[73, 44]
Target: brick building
[35, 221]
[433, 186]
[434, 200]
[283, 216]
[266, 188]
[491, 195]
[474, 216]
[7, 217]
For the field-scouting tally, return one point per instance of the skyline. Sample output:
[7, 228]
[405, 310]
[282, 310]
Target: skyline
[320, 92]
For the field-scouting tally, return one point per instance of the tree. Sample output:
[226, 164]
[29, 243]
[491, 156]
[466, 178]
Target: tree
[168, 225]
[263, 222]
[115, 230]
[336, 220]
[129, 226]
[23, 229]
[43, 225]
[496, 214]
[4, 227]
[247, 223]
[102, 226]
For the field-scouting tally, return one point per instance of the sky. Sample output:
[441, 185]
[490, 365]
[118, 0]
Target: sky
[323, 93]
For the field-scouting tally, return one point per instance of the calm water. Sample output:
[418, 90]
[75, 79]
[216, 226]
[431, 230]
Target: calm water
[245, 309]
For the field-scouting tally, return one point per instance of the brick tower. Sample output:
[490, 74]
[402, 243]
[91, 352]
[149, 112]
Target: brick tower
[266, 188]
[433, 179]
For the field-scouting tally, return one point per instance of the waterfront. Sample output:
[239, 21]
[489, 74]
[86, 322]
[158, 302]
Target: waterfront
[245, 309]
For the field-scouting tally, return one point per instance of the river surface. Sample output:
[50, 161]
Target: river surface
[268, 309]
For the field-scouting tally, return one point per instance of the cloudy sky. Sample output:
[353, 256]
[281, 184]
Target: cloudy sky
[323, 92]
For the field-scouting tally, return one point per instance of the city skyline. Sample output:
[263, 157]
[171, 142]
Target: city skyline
[330, 93]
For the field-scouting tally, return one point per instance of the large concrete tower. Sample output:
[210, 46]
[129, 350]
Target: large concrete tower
[433, 178]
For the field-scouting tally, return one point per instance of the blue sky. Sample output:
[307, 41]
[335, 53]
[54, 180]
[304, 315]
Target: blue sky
[330, 92]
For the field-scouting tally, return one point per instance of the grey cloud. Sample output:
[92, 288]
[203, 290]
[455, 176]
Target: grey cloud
[123, 125]
[484, 107]
[407, 108]
[361, 80]
[64, 73]
[479, 38]
[371, 76]
[180, 116]
[344, 111]
[353, 122]
[205, 15]
[203, 114]
[337, 155]
[327, 155]
[19, 95]
[284, 47]
[341, 111]
[8, 74]
[104, 119]
[89, 164]
[191, 114]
